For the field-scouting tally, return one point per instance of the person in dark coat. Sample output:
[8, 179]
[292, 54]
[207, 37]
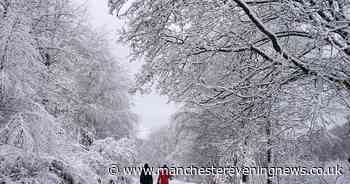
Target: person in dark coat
[146, 175]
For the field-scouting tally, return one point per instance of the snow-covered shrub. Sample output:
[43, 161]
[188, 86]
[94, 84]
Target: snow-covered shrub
[20, 166]
[122, 152]
[35, 149]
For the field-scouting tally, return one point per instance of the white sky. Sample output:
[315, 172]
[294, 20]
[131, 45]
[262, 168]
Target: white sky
[153, 110]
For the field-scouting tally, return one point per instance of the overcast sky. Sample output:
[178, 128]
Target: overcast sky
[153, 110]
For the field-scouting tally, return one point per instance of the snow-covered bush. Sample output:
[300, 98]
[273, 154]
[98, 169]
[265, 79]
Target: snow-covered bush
[36, 149]
[33, 149]
[121, 152]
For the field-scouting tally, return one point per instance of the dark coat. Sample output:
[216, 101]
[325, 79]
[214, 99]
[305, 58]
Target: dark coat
[146, 178]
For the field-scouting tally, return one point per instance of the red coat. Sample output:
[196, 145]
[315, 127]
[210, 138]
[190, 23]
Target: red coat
[163, 177]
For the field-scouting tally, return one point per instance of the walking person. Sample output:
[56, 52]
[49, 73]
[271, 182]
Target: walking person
[146, 175]
[164, 175]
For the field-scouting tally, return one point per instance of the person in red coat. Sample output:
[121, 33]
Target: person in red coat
[164, 175]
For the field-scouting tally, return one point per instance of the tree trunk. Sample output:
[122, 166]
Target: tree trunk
[268, 151]
[245, 177]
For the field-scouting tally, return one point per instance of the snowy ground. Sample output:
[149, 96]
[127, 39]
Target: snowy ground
[174, 181]
[179, 182]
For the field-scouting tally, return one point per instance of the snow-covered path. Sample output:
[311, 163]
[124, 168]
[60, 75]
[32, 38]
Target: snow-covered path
[174, 181]
[179, 182]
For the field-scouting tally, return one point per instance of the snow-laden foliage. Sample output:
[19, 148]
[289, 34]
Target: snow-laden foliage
[18, 166]
[35, 149]
[61, 91]
[123, 150]
[262, 82]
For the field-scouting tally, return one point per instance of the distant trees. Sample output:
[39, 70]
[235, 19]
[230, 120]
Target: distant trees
[268, 77]
[156, 149]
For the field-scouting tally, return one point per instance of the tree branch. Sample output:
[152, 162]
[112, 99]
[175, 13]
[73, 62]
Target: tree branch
[261, 2]
[276, 46]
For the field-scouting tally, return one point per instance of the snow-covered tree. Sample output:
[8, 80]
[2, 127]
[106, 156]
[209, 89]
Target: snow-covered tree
[275, 74]
[61, 91]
